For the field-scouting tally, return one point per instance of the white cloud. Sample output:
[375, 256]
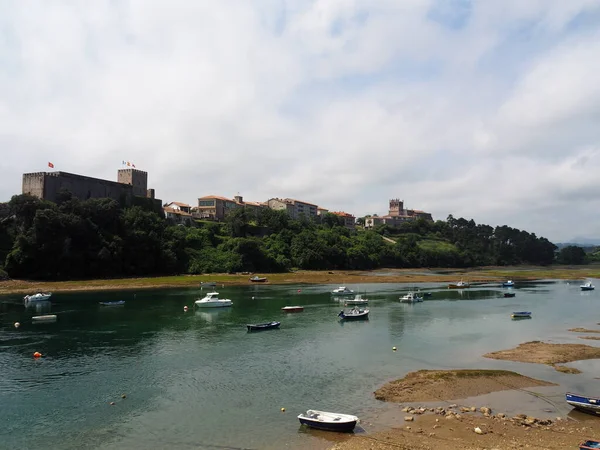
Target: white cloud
[488, 113]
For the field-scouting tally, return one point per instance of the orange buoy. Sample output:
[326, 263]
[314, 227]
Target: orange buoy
[299, 290]
[37, 354]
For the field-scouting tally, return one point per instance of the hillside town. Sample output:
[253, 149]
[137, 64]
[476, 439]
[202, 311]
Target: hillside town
[132, 186]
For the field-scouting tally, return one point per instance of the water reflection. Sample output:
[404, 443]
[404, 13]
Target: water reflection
[39, 307]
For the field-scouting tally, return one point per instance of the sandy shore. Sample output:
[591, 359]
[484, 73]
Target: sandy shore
[547, 353]
[464, 428]
[435, 385]
[424, 275]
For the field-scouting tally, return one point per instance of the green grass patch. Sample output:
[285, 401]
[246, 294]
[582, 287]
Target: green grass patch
[437, 246]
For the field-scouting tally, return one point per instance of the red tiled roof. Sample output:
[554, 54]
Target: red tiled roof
[185, 205]
[253, 204]
[342, 214]
[176, 211]
[218, 197]
[299, 201]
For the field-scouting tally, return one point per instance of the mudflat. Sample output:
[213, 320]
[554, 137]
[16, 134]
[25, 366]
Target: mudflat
[436, 385]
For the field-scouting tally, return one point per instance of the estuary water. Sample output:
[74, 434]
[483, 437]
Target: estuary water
[198, 379]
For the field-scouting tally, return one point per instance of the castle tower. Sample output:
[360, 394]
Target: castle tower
[396, 207]
[136, 178]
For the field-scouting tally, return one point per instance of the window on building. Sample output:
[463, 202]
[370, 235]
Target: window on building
[206, 203]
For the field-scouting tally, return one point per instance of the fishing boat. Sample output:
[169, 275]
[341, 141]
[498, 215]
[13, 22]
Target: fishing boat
[590, 444]
[358, 300]
[263, 326]
[354, 314]
[521, 315]
[212, 300]
[39, 297]
[582, 403]
[587, 286]
[292, 308]
[208, 284]
[460, 285]
[328, 421]
[257, 279]
[509, 294]
[117, 303]
[411, 297]
[342, 290]
[509, 283]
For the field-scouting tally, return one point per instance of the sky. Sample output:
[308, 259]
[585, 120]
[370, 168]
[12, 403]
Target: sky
[483, 109]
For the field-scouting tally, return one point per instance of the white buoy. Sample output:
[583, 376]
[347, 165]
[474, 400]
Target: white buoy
[17, 324]
[252, 298]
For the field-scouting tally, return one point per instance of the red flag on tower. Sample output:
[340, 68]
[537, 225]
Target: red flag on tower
[51, 165]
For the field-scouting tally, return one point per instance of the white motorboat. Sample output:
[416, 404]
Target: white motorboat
[587, 286]
[39, 297]
[342, 290]
[328, 421]
[212, 300]
[460, 285]
[411, 297]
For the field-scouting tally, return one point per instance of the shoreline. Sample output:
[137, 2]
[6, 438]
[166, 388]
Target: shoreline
[340, 277]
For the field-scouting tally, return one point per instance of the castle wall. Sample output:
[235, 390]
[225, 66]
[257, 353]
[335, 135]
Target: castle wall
[33, 184]
[136, 178]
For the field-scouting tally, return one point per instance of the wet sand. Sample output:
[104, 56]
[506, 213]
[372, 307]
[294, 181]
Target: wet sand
[547, 353]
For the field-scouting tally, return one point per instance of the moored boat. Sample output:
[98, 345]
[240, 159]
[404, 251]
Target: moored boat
[328, 421]
[354, 314]
[117, 303]
[342, 290]
[521, 314]
[358, 300]
[590, 444]
[508, 283]
[39, 297]
[460, 285]
[509, 294]
[257, 279]
[587, 286]
[263, 326]
[44, 319]
[411, 297]
[212, 300]
[583, 403]
[292, 308]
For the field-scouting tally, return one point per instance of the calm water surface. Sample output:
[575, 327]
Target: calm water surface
[197, 379]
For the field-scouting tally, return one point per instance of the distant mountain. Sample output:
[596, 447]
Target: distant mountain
[585, 241]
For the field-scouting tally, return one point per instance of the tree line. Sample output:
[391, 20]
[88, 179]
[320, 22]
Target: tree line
[98, 238]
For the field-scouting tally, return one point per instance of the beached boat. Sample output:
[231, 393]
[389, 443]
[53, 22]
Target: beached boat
[520, 314]
[358, 300]
[590, 444]
[117, 303]
[582, 403]
[208, 284]
[263, 326]
[509, 294]
[328, 421]
[354, 314]
[212, 300]
[411, 297]
[509, 283]
[460, 285]
[292, 308]
[257, 279]
[587, 286]
[39, 297]
[342, 290]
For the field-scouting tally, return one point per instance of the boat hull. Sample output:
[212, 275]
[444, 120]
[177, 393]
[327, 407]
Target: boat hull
[509, 294]
[263, 326]
[344, 427]
[589, 445]
[360, 316]
[37, 298]
[119, 303]
[292, 309]
[213, 304]
[456, 286]
[588, 405]
[521, 315]
[586, 288]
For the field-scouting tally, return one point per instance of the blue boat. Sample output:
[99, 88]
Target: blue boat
[521, 314]
[589, 445]
[263, 326]
[589, 405]
[119, 303]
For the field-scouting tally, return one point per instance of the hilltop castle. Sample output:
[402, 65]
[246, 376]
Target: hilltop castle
[397, 215]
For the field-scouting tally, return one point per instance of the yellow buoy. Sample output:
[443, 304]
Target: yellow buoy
[123, 396]
[282, 409]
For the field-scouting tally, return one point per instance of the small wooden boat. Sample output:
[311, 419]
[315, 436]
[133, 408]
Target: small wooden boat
[521, 315]
[460, 285]
[263, 326]
[509, 294]
[589, 405]
[588, 286]
[590, 444]
[117, 303]
[509, 283]
[257, 279]
[328, 421]
[354, 314]
[292, 308]
[44, 319]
